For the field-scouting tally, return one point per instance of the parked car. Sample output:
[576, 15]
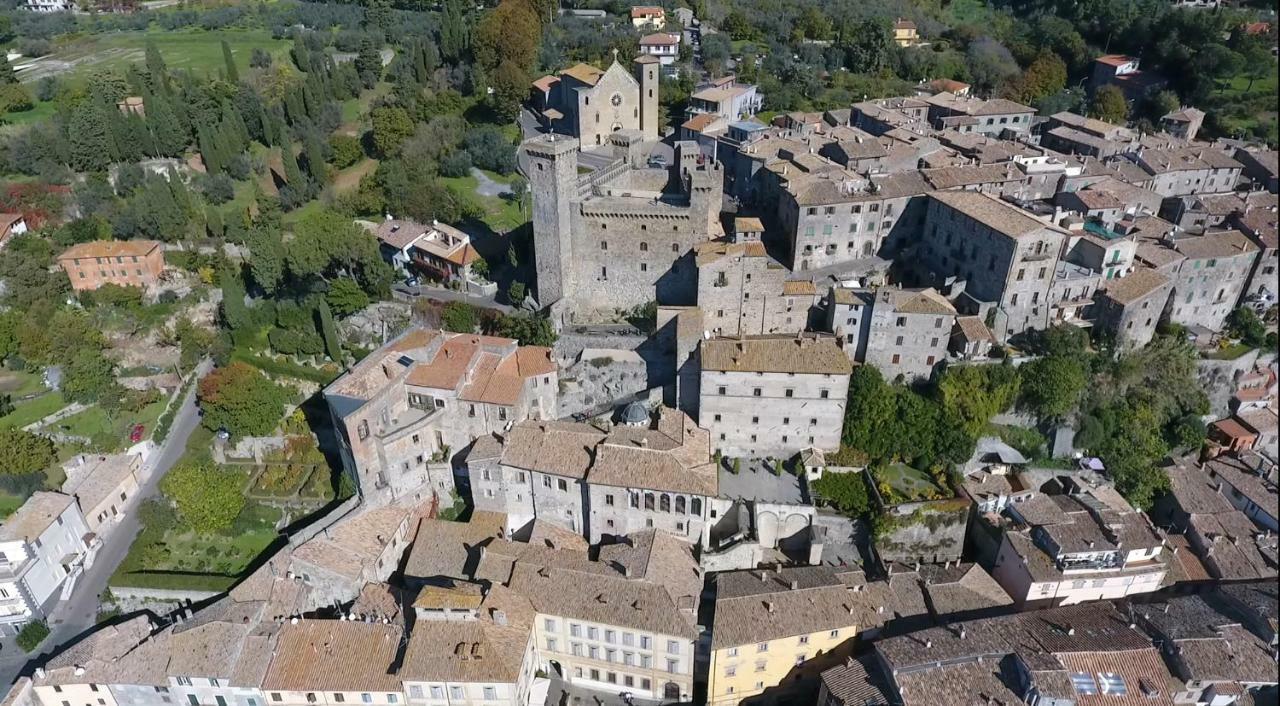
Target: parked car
[135, 434]
[657, 161]
[411, 282]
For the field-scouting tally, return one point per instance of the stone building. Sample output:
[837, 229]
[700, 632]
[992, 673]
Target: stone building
[1261, 225]
[621, 235]
[899, 331]
[403, 410]
[46, 546]
[599, 482]
[590, 104]
[1209, 273]
[744, 292]
[1005, 256]
[833, 217]
[1131, 306]
[1075, 134]
[1179, 171]
[970, 114]
[773, 395]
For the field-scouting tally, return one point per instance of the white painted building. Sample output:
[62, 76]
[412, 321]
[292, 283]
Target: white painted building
[44, 546]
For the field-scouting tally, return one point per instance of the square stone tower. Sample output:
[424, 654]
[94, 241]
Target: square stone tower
[553, 180]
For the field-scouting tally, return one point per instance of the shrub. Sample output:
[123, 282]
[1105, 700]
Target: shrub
[345, 150]
[32, 635]
[456, 165]
[459, 317]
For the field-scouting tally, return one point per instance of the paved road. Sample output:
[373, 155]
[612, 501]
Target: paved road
[79, 612]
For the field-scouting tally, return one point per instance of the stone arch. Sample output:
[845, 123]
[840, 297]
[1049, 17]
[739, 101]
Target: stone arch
[767, 529]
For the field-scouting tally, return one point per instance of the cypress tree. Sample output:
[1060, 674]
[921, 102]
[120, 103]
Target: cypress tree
[233, 75]
[89, 134]
[292, 174]
[234, 311]
[6, 70]
[168, 136]
[453, 30]
[180, 194]
[235, 127]
[209, 150]
[294, 109]
[157, 72]
[213, 222]
[332, 342]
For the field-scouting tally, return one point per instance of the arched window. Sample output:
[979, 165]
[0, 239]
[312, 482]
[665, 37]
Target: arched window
[644, 247]
[695, 506]
[675, 247]
[664, 503]
[604, 245]
[635, 499]
[680, 504]
[648, 501]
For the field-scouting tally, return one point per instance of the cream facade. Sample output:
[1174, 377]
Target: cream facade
[43, 550]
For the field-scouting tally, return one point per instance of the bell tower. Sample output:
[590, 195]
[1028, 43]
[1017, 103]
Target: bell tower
[646, 68]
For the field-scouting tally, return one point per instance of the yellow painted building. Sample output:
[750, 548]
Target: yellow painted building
[773, 627]
[904, 33]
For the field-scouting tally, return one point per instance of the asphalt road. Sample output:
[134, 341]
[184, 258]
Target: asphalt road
[79, 613]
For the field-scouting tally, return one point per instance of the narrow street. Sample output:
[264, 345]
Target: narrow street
[77, 614]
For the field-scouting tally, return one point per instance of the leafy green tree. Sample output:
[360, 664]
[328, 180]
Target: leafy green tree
[208, 499]
[241, 400]
[868, 46]
[528, 330]
[1045, 76]
[1245, 325]
[847, 492]
[972, 394]
[510, 87]
[31, 635]
[89, 377]
[327, 244]
[1109, 105]
[344, 150]
[459, 317]
[516, 293]
[345, 297]
[1051, 387]
[1132, 452]
[25, 452]
[392, 125]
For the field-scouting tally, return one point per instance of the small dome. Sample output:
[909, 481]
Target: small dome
[635, 414]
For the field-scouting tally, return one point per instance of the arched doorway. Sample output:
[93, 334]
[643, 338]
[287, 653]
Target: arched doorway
[671, 691]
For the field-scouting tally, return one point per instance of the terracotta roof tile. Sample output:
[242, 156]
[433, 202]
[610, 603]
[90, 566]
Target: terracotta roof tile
[807, 354]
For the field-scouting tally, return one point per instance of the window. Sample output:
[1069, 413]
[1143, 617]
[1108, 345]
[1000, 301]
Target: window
[731, 671]
[673, 666]
[804, 639]
[437, 692]
[1083, 684]
[1112, 684]
[824, 394]
[610, 637]
[834, 634]
[562, 485]
[593, 652]
[648, 505]
[455, 692]
[790, 392]
[593, 633]
[721, 390]
[673, 647]
[490, 693]
[762, 647]
[551, 644]
[644, 247]
[695, 506]
[575, 630]
[664, 503]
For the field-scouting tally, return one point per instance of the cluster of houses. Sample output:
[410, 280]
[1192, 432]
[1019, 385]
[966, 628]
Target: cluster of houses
[627, 554]
[48, 542]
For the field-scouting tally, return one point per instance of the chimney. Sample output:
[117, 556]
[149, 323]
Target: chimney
[795, 585]
[962, 633]
[500, 618]
[769, 606]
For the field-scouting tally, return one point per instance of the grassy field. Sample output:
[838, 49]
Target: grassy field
[349, 178]
[20, 384]
[500, 214]
[198, 50]
[94, 422]
[33, 410]
[9, 503]
[909, 484]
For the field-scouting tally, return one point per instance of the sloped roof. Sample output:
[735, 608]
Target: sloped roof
[776, 354]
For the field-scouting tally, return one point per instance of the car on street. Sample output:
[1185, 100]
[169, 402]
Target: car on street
[657, 161]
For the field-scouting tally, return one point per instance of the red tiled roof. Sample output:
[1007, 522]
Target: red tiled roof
[1115, 59]
[110, 248]
[546, 83]
[659, 39]
[647, 11]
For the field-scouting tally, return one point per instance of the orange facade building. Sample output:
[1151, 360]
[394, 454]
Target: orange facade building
[127, 263]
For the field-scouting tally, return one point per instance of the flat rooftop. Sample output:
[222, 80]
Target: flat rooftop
[756, 481]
